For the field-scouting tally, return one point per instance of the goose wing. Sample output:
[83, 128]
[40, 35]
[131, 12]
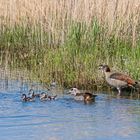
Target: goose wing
[122, 77]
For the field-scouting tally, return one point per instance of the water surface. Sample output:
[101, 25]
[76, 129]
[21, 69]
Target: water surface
[108, 118]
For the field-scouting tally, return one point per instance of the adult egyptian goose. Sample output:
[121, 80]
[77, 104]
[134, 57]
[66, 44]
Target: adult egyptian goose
[85, 96]
[117, 80]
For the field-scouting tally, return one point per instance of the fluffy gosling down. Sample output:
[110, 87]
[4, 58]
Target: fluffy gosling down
[27, 99]
[33, 94]
[44, 96]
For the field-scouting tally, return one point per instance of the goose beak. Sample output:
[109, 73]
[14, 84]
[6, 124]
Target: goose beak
[69, 92]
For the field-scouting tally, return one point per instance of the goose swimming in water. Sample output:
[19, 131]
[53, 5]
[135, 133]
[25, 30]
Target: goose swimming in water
[85, 96]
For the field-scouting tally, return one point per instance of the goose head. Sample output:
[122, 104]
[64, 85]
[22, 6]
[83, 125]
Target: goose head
[104, 68]
[31, 93]
[23, 97]
[74, 91]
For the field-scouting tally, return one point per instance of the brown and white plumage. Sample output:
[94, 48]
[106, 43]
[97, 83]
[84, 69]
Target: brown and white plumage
[83, 96]
[117, 80]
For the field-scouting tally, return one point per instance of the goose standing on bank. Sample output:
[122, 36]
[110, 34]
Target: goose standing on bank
[117, 80]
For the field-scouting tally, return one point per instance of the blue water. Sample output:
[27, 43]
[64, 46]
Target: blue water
[108, 118]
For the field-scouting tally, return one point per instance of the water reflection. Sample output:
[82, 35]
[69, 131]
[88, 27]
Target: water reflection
[108, 118]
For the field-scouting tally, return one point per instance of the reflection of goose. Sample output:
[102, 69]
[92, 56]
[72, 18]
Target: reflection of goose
[32, 93]
[27, 99]
[117, 80]
[85, 96]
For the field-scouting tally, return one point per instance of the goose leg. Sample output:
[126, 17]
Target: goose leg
[119, 91]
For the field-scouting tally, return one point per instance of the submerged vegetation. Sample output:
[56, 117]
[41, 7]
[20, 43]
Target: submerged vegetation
[66, 40]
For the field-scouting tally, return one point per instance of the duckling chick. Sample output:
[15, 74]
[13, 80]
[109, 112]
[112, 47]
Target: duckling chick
[85, 96]
[26, 99]
[32, 93]
[52, 97]
[43, 96]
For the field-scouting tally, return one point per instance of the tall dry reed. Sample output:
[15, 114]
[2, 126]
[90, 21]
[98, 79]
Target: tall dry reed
[55, 16]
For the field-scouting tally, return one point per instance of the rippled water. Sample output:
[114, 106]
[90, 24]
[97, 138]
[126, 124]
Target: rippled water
[108, 118]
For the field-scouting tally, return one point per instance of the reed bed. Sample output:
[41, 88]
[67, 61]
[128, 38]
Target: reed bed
[66, 40]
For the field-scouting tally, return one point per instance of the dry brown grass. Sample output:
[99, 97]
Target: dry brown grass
[46, 11]
[55, 16]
